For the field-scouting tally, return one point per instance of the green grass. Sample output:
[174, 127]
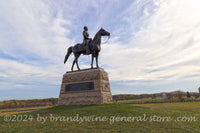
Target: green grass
[142, 100]
[156, 100]
[173, 110]
[182, 106]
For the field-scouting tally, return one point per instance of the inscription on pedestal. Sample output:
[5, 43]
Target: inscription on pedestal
[80, 86]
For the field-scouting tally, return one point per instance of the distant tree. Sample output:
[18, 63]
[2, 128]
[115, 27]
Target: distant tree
[153, 96]
[180, 96]
[141, 96]
[50, 104]
[199, 91]
[23, 104]
[188, 94]
[169, 95]
[55, 101]
[5, 105]
[196, 95]
[18, 104]
[12, 105]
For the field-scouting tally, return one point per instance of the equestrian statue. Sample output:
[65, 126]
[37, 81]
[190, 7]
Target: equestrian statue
[89, 46]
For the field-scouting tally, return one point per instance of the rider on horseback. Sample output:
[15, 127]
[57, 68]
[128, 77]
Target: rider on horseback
[86, 40]
[78, 49]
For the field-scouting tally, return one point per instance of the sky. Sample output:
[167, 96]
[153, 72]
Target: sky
[154, 45]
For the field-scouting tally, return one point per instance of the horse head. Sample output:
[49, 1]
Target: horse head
[104, 32]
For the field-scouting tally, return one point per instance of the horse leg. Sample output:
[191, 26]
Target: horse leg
[73, 65]
[97, 61]
[76, 59]
[92, 61]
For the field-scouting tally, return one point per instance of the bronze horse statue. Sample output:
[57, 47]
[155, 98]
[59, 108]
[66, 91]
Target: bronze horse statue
[94, 45]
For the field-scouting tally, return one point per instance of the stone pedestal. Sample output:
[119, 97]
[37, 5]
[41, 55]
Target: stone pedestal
[85, 87]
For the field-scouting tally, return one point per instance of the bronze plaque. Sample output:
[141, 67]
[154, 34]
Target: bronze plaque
[80, 86]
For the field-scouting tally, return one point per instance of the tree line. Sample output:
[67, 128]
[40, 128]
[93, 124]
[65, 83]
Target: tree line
[28, 103]
[169, 95]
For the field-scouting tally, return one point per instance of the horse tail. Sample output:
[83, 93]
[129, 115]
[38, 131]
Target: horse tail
[69, 51]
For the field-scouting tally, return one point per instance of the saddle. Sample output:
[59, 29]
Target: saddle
[84, 43]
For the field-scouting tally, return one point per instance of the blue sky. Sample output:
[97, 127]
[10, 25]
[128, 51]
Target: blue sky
[154, 45]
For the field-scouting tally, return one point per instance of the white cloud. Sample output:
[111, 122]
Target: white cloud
[30, 30]
[36, 30]
[18, 76]
[166, 46]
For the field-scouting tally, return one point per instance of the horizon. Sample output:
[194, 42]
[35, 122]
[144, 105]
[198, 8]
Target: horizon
[112, 95]
[154, 45]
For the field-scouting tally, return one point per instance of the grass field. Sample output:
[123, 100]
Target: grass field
[156, 100]
[18, 110]
[142, 100]
[155, 118]
[187, 106]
